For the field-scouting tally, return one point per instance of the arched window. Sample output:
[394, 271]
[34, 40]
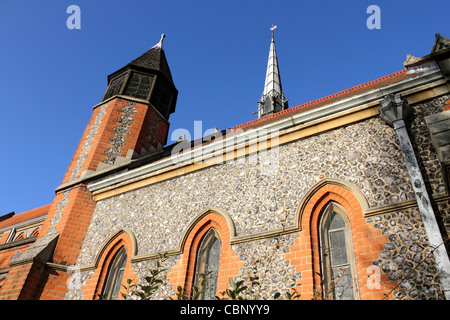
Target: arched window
[20, 236]
[115, 274]
[207, 264]
[35, 232]
[338, 272]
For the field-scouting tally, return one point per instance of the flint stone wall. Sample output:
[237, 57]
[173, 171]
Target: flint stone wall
[365, 154]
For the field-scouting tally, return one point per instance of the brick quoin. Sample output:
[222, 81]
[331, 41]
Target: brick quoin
[73, 225]
[182, 274]
[367, 243]
[79, 151]
[141, 127]
[22, 282]
[138, 134]
[74, 220]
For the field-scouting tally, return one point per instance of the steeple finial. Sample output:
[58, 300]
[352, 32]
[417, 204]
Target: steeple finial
[273, 28]
[160, 43]
[272, 99]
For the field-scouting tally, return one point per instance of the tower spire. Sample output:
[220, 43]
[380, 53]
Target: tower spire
[272, 99]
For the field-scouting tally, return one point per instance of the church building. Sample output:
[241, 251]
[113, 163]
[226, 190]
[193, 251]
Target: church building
[346, 197]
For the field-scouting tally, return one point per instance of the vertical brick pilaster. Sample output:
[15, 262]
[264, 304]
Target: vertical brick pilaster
[73, 224]
[23, 282]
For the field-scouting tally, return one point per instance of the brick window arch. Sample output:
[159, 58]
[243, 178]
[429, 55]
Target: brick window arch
[367, 241]
[305, 254]
[35, 232]
[113, 262]
[20, 236]
[200, 234]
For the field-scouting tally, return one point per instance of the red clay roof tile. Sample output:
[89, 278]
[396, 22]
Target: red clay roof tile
[25, 216]
[371, 85]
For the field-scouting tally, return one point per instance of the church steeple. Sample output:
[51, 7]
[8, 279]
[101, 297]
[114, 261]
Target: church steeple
[272, 99]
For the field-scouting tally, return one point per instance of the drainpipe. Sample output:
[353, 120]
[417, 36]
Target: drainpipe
[393, 110]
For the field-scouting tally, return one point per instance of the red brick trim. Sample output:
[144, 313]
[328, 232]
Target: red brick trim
[447, 107]
[366, 240]
[182, 274]
[94, 286]
[307, 106]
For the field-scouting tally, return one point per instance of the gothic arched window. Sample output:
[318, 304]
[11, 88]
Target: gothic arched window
[338, 272]
[207, 264]
[115, 274]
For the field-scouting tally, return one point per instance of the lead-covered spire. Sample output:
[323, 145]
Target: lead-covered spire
[273, 99]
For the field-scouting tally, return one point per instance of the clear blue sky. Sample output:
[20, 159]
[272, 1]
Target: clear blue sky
[50, 76]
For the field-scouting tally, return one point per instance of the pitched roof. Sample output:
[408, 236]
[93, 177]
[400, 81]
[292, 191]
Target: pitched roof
[25, 216]
[315, 104]
[154, 59]
[365, 87]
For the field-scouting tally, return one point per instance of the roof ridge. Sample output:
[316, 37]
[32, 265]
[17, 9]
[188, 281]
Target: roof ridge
[26, 216]
[307, 104]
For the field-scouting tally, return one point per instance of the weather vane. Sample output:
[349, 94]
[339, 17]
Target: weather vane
[273, 28]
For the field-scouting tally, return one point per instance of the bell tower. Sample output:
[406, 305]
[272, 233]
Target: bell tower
[132, 118]
[130, 122]
[146, 78]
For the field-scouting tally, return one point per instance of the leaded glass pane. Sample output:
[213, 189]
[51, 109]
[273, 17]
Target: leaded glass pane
[343, 285]
[336, 265]
[114, 86]
[208, 258]
[336, 221]
[212, 264]
[115, 274]
[118, 282]
[160, 98]
[338, 248]
[139, 86]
